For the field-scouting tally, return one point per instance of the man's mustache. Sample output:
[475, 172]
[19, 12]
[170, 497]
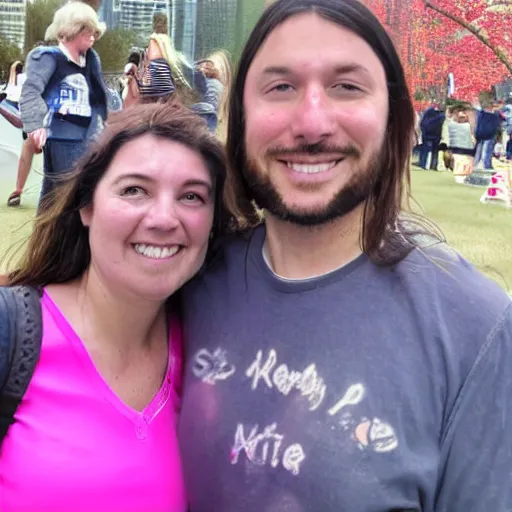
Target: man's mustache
[315, 149]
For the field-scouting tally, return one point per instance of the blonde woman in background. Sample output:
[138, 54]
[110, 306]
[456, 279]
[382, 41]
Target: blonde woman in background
[222, 63]
[160, 75]
[212, 78]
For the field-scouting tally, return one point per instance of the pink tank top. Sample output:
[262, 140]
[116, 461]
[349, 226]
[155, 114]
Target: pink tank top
[77, 447]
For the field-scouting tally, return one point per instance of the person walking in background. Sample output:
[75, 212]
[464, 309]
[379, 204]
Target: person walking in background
[12, 94]
[12, 90]
[211, 90]
[129, 86]
[499, 149]
[487, 126]
[509, 148]
[507, 115]
[461, 138]
[431, 130]
[160, 75]
[222, 63]
[63, 103]
[28, 148]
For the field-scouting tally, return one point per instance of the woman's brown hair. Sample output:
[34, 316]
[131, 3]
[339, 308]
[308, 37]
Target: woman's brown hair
[58, 248]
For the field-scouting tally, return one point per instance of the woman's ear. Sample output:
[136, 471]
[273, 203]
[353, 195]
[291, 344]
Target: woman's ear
[86, 215]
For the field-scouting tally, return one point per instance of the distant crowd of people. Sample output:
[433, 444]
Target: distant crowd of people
[480, 132]
[61, 102]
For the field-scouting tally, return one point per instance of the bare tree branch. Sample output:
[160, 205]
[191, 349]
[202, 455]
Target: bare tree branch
[477, 31]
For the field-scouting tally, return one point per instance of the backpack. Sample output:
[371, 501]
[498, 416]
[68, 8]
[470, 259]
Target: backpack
[20, 346]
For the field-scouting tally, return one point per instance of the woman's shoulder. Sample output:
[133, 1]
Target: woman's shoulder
[154, 51]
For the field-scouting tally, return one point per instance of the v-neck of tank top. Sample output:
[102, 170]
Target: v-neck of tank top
[140, 419]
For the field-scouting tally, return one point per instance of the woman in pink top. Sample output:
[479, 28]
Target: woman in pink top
[95, 430]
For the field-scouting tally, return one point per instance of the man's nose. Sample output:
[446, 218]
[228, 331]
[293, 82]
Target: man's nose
[314, 118]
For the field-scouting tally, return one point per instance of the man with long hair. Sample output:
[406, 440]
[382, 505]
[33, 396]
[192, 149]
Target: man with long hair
[340, 356]
[63, 102]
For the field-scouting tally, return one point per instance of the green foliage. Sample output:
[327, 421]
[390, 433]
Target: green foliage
[39, 18]
[420, 95]
[9, 52]
[114, 47]
[247, 15]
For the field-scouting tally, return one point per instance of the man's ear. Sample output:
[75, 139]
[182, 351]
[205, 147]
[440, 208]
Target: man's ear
[86, 215]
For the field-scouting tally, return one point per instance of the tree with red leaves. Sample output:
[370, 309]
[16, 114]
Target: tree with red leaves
[469, 38]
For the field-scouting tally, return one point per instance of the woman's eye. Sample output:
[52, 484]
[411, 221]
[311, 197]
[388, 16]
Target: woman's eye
[192, 197]
[348, 88]
[132, 191]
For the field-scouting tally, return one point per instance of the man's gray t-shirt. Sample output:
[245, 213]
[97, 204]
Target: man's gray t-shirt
[368, 389]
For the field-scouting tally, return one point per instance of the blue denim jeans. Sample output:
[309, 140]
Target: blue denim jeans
[484, 150]
[59, 157]
[207, 112]
[429, 145]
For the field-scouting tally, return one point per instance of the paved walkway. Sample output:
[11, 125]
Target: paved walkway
[10, 146]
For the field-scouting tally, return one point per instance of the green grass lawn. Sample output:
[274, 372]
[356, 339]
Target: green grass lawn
[480, 232]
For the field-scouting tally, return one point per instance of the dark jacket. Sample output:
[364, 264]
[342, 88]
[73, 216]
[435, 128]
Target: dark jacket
[432, 123]
[487, 126]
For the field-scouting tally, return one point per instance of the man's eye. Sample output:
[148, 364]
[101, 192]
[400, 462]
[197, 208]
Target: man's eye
[281, 88]
[132, 191]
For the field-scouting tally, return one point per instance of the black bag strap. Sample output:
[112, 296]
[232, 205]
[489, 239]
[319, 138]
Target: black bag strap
[20, 346]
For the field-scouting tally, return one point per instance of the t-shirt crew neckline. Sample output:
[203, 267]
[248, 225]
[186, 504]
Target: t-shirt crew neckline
[295, 285]
[140, 419]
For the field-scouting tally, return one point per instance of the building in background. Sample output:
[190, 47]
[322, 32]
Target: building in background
[196, 26]
[13, 14]
[137, 15]
[200, 26]
[110, 13]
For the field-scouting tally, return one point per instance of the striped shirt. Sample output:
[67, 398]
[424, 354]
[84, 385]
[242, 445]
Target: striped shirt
[157, 79]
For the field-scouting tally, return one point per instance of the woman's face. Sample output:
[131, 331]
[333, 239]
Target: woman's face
[150, 220]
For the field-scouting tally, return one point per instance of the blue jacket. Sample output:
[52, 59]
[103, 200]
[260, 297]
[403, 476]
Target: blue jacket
[432, 123]
[68, 99]
[487, 125]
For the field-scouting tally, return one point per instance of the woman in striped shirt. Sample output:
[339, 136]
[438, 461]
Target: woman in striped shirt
[161, 73]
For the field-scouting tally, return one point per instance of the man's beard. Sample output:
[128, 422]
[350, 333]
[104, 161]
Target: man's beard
[346, 199]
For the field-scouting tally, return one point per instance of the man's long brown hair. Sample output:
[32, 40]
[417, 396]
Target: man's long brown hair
[388, 234]
[58, 249]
